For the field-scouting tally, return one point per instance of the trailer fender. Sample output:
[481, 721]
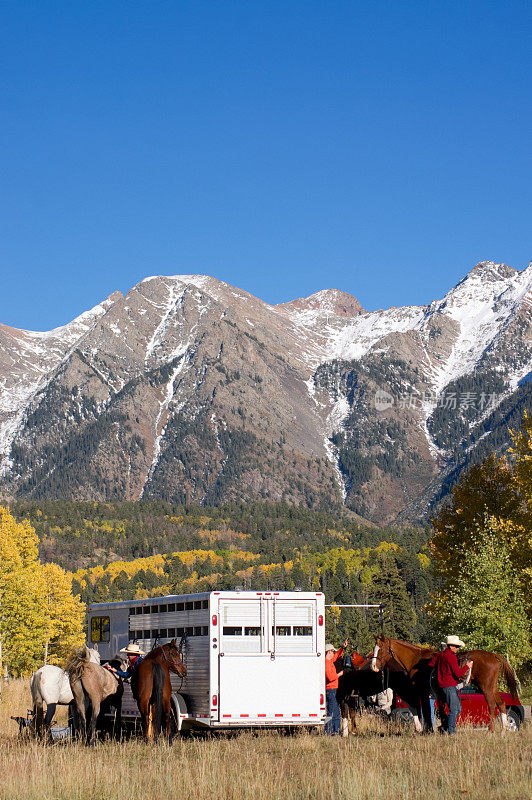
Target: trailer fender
[180, 709]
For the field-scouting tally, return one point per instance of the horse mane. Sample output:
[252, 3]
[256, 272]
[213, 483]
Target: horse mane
[76, 662]
[155, 652]
[416, 647]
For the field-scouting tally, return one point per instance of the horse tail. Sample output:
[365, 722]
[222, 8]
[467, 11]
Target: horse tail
[157, 696]
[509, 675]
[36, 696]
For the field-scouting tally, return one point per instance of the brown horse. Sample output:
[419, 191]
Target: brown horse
[91, 682]
[417, 664]
[152, 688]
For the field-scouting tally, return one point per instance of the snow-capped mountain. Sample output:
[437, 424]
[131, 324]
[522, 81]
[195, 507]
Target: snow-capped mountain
[188, 389]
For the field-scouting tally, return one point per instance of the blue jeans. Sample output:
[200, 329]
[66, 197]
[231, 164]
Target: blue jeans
[449, 695]
[333, 710]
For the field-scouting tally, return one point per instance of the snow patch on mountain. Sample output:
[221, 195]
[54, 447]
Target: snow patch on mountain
[333, 424]
[481, 304]
[34, 357]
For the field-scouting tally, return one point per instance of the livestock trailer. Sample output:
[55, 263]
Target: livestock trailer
[252, 658]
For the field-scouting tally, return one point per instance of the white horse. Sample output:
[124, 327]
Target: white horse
[51, 685]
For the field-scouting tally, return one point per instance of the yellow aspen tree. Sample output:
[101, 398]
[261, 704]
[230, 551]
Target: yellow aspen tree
[22, 596]
[65, 615]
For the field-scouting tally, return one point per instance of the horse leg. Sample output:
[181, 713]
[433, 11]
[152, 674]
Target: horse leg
[414, 710]
[117, 727]
[145, 712]
[50, 713]
[151, 713]
[344, 722]
[165, 720]
[167, 709]
[38, 715]
[501, 705]
[95, 703]
[492, 705]
[79, 700]
[427, 715]
[352, 712]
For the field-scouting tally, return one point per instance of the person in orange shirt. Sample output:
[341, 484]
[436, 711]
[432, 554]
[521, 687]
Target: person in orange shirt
[332, 727]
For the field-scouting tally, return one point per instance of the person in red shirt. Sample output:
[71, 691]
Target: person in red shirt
[448, 675]
[332, 656]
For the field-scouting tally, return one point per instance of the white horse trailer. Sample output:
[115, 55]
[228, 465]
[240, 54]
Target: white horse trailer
[252, 658]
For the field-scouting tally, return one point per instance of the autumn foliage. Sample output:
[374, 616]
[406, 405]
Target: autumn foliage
[40, 619]
[482, 550]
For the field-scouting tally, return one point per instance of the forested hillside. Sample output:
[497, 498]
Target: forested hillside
[124, 550]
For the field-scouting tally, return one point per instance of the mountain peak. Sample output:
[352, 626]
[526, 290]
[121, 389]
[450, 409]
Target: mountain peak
[492, 271]
[326, 301]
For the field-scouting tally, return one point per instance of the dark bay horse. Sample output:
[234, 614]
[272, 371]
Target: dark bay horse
[152, 688]
[416, 663]
[93, 687]
[359, 680]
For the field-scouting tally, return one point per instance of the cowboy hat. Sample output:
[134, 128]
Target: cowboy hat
[329, 647]
[133, 649]
[454, 640]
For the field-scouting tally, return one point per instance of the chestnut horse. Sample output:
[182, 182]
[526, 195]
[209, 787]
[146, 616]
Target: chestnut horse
[417, 664]
[152, 689]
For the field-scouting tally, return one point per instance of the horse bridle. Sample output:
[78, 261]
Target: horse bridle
[395, 657]
[171, 663]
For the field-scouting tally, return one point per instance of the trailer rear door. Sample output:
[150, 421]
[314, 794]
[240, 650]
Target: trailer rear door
[269, 670]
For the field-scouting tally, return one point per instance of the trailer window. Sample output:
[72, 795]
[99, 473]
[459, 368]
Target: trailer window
[180, 607]
[170, 607]
[197, 603]
[189, 606]
[171, 633]
[282, 630]
[179, 631]
[231, 630]
[189, 631]
[205, 604]
[302, 630]
[100, 629]
[252, 630]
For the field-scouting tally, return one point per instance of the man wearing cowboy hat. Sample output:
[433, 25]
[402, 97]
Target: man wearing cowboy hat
[134, 657]
[448, 675]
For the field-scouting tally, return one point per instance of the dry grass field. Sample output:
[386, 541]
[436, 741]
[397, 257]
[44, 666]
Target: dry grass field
[372, 765]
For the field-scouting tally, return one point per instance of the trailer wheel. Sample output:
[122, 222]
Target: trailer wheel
[179, 710]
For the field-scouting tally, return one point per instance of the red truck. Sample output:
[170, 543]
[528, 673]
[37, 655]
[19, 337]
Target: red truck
[475, 710]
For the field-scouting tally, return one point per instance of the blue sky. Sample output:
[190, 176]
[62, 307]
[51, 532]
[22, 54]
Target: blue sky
[382, 148]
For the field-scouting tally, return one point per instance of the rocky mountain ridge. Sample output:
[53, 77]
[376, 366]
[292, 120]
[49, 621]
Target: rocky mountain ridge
[189, 389]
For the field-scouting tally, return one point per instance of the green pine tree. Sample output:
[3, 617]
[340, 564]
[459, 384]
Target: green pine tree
[389, 589]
